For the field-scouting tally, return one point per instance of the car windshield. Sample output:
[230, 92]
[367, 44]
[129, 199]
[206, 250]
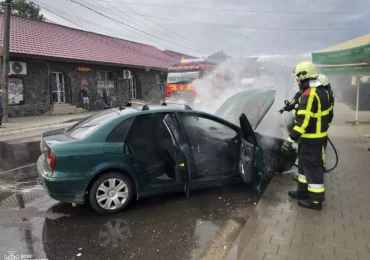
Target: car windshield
[182, 77]
[85, 127]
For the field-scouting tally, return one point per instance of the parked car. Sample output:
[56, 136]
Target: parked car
[120, 154]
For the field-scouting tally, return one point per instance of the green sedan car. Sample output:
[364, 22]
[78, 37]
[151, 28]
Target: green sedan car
[121, 154]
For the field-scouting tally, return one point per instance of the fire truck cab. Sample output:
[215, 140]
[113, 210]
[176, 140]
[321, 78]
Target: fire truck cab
[179, 85]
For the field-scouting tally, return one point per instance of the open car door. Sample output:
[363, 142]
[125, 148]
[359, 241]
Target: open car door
[185, 163]
[251, 156]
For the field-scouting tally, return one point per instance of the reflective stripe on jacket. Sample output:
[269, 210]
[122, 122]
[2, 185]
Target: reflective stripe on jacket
[314, 114]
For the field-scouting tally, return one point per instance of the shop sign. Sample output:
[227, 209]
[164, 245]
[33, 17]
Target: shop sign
[83, 69]
[15, 91]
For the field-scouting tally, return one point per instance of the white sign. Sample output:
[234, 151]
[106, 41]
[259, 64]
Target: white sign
[248, 81]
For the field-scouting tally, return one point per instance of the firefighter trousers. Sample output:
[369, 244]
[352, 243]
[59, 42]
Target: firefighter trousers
[311, 165]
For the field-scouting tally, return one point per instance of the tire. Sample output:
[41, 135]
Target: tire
[271, 166]
[99, 105]
[112, 179]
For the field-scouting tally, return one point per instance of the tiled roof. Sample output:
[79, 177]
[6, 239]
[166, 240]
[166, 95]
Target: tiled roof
[220, 56]
[47, 39]
[178, 56]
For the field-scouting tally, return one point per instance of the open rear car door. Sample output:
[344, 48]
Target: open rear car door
[185, 163]
[251, 156]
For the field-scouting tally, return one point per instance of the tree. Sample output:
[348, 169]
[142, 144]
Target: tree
[25, 9]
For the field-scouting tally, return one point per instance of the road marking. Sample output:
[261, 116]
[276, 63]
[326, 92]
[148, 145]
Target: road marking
[29, 165]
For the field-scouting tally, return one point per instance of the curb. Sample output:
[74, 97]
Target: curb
[15, 131]
[241, 242]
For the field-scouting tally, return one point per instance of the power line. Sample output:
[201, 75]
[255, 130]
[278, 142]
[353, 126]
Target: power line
[247, 27]
[145, 37]
[132, 18]
[151, 27]
[86, 21]
[125, 24]
[238, 10]
[181, 36]
[105, 38]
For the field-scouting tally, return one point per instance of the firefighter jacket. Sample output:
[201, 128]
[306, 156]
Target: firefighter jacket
[313, 115]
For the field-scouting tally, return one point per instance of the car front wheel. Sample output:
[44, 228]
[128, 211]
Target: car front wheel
[111, 193]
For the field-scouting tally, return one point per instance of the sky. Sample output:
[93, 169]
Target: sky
[273, 26]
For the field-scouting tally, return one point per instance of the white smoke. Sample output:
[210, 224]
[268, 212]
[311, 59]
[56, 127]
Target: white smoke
[267, 71]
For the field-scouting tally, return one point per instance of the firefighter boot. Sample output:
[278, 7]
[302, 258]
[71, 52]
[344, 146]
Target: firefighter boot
[310, 204]
[301, 193]
[298, 195]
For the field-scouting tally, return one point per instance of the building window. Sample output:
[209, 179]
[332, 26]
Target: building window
[105, 81]
[133, 90]
[161, 81]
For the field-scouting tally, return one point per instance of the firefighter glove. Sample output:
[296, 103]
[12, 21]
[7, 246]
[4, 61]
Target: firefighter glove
[287, 145]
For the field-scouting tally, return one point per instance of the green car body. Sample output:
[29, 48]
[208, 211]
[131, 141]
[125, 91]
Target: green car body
[72, 161]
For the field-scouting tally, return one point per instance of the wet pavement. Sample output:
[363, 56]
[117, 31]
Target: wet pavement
[163, 227]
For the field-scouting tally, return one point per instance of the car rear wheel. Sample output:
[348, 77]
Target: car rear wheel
[111, 193]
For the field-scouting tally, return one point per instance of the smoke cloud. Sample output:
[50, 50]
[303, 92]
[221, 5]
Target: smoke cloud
[250, 73]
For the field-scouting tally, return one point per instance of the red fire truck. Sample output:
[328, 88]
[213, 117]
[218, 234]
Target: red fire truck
[180, 88]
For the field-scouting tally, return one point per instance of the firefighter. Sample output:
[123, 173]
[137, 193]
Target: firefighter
[325, 82]
[313, 116]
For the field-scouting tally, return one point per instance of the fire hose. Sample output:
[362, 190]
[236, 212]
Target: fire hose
[289, 105]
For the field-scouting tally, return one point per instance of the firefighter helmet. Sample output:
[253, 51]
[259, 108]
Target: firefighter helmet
[323, 79]
[305, 70]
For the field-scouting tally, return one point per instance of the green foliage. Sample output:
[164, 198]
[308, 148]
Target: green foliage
[25, 8]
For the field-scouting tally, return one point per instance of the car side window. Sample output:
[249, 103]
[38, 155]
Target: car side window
[119, 133]
[214, 145]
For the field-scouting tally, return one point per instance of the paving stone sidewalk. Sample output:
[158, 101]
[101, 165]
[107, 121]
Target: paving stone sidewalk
[280, 230]
[24, 124]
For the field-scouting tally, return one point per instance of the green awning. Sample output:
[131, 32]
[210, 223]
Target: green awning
[345, 69]
[353, 51]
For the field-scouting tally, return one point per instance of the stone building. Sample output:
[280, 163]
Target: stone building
[49, 64]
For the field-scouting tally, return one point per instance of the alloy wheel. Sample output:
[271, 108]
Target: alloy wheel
[112, 193]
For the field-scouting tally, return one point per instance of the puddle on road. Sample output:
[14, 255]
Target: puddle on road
[162, 227]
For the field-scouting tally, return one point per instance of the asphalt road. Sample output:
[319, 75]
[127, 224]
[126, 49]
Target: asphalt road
[164, 227]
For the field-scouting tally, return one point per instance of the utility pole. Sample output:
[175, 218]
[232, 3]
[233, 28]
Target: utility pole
[7, 13]
[241, 46]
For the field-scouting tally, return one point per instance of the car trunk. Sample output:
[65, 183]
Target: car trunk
[49, 138]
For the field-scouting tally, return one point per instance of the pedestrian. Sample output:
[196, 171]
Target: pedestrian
[1, 109]
[313, 117]
[85, 97]
[105, 98]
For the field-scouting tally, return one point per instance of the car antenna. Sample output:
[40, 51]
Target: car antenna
[145, 107]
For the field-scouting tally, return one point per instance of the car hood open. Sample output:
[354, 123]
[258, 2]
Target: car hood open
[253, 103]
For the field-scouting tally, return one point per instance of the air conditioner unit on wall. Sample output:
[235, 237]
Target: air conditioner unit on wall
[17, 68]
[124, 74]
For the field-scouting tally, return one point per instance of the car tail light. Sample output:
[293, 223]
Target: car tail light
[168, 90]
[51, 160]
